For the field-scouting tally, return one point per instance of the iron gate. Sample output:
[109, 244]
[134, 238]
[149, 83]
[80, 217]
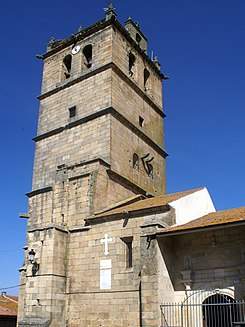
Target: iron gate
[214, 310]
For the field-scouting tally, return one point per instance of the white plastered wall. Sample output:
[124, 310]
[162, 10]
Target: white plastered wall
[192, 206]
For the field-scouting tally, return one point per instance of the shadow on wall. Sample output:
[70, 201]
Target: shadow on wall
[209, 259]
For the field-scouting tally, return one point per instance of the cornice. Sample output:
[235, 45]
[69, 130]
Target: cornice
[101, 69]
[39, 191]
[35, 228]
[125, 181]
[88, 162]
[69, 82]
[115, 114]
[100, 25]
[138, 90]
[91, 220]
[70, 125]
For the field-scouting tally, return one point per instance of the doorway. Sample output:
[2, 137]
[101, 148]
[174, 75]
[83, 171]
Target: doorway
[219, 310]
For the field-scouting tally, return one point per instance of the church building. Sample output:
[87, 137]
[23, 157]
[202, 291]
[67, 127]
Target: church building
[106, 246]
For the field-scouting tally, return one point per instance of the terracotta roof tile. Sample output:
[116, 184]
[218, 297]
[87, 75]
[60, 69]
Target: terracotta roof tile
[122, 203]
[217, 218]
[154, 202]
[8, 305]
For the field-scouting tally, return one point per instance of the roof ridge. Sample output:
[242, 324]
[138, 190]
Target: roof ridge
[214, 213]
[9, 298]
[229, 209]
[212, 219]
[191, 190]
[119, 204]
[140, 202]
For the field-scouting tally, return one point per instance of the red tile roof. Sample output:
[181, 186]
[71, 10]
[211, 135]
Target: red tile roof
[8, 305]
[218, 218]
[142, 204]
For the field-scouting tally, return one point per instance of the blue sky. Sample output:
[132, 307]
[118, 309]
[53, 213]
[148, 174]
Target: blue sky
[200, 45]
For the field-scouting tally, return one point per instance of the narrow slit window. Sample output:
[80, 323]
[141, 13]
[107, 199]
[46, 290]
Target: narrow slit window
[129, 253]
[67, 66]
[138, 38]
[128, 241]
[131, 63]
[72, 111]
[88, 55]
[146, 78]
[141, 121]
[136, 161]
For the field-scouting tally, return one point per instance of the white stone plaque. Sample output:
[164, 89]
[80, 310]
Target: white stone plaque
[105, 274]
[105, 264]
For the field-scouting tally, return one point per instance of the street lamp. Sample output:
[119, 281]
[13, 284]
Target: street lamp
[32, 260]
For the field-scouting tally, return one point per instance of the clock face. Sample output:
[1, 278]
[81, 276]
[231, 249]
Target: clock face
[75, 49]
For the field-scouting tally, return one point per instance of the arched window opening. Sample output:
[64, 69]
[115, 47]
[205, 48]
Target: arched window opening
[138, 38]
[146, 78]
[67, 66]
[131, 63]
[136, 161]
[88, 55]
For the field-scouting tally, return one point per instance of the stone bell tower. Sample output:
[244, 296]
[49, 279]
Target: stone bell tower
[99, 142]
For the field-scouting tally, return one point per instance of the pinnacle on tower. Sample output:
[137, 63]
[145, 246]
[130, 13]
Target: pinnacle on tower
[110, 11]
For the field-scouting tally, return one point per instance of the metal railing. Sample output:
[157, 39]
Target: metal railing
[210, 313]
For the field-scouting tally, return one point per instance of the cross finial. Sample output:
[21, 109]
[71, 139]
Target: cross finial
[111, 6]
[110, 11]
[52, 43]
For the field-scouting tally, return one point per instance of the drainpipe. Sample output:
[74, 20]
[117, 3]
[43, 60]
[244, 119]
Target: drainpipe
[140, 301]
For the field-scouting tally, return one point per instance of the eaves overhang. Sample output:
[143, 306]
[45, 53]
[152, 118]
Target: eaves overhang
[127, 214]
[170, 233]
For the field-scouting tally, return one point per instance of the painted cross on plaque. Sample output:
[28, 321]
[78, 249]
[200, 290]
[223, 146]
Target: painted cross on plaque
[106, 241]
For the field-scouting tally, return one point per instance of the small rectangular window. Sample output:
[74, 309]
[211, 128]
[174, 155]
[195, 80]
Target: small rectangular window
[72, 112]
[128, 241]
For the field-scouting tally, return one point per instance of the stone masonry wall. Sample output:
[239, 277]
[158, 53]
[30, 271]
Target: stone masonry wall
[127, 143]
[133, 106]
[45, 292]
[102, 54]
[40, 209]
[121, 49]
[108, 191]
[89, 96]
[156, 283]
[83, 142]
[88, 304]
[73, 200]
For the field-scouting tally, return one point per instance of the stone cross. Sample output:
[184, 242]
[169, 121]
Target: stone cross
[106, 241]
